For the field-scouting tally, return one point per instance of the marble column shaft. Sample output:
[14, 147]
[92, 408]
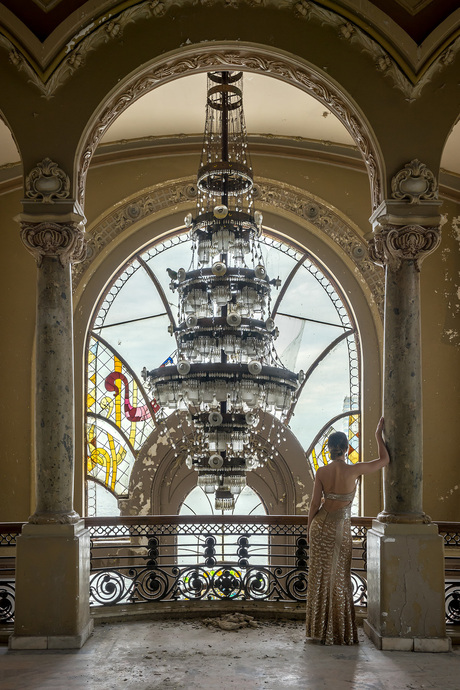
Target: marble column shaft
[402, 401]
[54, 245]
[54, 402]
[401, 250]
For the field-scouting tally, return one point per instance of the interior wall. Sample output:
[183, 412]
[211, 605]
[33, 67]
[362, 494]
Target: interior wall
[17, 317]
[440, 310]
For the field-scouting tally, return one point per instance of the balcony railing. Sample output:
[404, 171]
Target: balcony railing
[189, 558]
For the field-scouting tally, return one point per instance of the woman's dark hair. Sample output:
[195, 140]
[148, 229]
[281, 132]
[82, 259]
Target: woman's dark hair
[337, 444]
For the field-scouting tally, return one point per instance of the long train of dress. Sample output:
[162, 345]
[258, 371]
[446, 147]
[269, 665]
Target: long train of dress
[330, 609]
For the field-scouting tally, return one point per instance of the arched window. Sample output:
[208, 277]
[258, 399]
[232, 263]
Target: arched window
[131, 329]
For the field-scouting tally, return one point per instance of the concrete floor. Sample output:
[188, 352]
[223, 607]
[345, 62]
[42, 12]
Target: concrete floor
[185, 654]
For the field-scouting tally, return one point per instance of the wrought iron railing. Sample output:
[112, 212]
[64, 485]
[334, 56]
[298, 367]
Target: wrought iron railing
[9, 532]
[190, 558]
[172, 558]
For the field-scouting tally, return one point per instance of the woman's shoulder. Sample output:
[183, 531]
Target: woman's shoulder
[322, 471]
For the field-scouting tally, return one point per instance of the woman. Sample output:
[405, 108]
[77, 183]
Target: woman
[330, 610]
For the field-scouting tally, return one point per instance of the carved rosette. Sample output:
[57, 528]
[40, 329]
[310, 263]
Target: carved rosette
[391, 245]
[47, 182]
[415, 183]
[64, 241]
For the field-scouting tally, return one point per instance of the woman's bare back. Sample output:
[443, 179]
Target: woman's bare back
[337, 478]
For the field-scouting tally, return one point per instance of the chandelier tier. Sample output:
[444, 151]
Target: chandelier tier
[227, 369]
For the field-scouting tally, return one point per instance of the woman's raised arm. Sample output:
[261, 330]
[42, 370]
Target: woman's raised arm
[382, 460]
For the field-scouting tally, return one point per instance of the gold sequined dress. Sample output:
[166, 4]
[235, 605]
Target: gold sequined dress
[330, 609]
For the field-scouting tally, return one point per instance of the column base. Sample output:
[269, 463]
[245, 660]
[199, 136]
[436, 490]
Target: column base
[52, 641]
[52, 587]
[406, 591]
[407, 644]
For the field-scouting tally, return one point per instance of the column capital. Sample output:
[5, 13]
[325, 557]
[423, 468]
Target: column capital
[63, 239]
[390, 245]
[407, 226]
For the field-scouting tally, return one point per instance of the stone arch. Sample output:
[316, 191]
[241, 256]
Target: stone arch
[4, 121]
[290, 69]
[455, 123]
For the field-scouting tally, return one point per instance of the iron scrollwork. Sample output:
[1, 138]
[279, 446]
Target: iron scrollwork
[7, 599]
[280, 573]
[453, 603]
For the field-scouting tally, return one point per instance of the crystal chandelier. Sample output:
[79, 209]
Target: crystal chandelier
[227, 370]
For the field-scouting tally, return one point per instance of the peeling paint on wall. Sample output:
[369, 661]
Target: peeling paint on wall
[450, 333]
[448, 494]
[304, 504]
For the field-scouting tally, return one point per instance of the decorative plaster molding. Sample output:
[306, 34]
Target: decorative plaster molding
[47, 5]
[391, 245]
[414, 6]
[107, 28]
[65, 241]
[414, 182]
[47, 182]
[291, 199]
[206, 58]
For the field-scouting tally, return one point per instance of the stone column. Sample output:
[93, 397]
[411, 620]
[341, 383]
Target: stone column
[402, 250]
[406, 605]
[52, 571]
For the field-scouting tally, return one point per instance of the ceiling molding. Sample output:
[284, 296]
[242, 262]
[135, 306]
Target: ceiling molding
[341, 156]
[338, 155]
[47, 5]
[414, 6]
[49, 64]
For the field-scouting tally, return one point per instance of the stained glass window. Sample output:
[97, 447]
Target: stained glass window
[132, 329]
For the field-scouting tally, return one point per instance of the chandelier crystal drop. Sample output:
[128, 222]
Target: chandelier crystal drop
[227, 371]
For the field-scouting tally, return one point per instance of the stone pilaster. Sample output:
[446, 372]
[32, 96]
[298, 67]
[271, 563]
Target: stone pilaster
[53, 555]
[405, 552]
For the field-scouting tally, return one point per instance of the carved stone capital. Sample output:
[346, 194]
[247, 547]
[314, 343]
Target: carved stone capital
[65, 241]
[415, 182]
[391, 245]
[47, 182]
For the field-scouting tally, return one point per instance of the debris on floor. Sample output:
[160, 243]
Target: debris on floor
[231, 621]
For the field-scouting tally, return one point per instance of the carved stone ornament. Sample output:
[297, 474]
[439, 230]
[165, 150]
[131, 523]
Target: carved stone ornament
[414, 182]
[393, 244]
[47, 182]
[272, 194]
[65, 241]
